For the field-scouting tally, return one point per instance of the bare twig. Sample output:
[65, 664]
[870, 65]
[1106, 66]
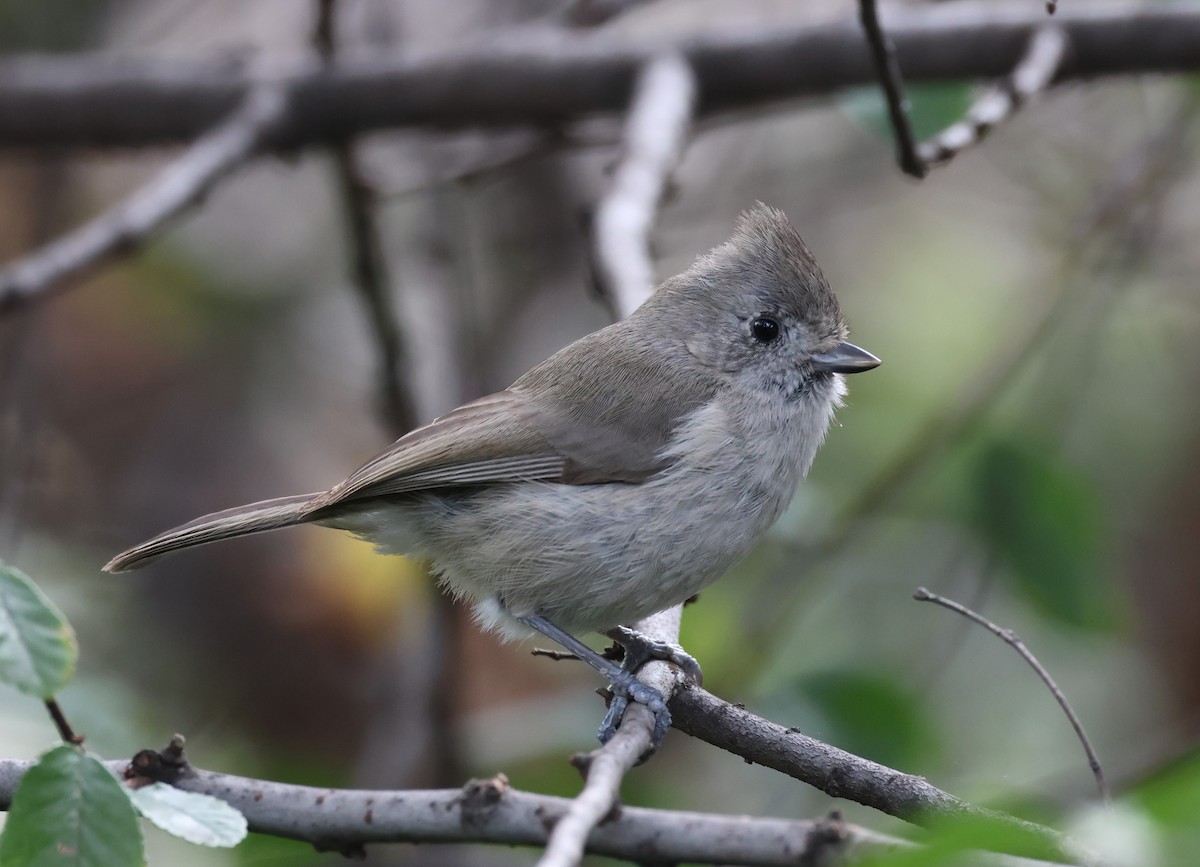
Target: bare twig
[1033, 74]
[369, 266]
[550, 80]
[554, 655]
[603, 771]
[1010, 638]
[883, 53]
[655, 134]
[60, 722]
[125, 226]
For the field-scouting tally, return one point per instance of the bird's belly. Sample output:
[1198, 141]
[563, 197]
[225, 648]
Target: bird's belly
[586, 557]
[589, 557]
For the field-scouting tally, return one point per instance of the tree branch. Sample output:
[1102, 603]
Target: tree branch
[845, 775]
[490, 811]
[603, 770]
[551, 78]
[180, 185]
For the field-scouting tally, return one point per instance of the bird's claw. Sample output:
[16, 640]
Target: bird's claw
[640, 648]
[626, 687]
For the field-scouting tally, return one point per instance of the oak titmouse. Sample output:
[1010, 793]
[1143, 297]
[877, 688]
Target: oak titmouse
[621, 475]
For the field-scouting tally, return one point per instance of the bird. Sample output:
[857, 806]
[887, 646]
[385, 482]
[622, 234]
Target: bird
[618, 477]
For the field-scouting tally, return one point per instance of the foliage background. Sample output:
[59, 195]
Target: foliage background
[1029, 446]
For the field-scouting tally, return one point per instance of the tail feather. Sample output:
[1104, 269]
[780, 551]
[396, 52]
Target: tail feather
[239, 521]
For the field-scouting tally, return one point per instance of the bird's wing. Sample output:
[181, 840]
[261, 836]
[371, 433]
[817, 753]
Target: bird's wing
[558, 423]
[486, 441]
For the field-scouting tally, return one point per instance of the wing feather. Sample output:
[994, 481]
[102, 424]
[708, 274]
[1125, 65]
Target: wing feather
[487, 441]
[560, 422]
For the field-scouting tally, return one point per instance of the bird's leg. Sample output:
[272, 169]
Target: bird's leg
[624, 685]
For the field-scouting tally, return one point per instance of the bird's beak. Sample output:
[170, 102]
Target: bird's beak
[845, 358]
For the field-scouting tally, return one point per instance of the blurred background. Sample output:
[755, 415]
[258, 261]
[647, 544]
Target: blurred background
[1029, 446]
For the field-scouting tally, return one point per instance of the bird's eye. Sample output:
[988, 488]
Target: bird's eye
[764, 329]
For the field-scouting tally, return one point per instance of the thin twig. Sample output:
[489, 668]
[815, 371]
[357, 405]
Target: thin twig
[60, 722]
[603, 770]
[127, 225]
[369, 267]
[655, 134]
[554, 655]
[1010, 638]
[887, 67]
[1035, 72]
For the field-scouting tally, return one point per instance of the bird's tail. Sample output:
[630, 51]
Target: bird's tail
[239, 521]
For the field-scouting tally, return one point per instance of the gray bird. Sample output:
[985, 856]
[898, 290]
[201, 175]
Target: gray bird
[618, 477]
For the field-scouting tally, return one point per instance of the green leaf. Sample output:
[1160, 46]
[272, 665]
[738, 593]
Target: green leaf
[932, 107]
[37, 645]
[1043, 521]
[69, 811]
[872, 715]
[947, 840]
[191, 816]
[1172, 795]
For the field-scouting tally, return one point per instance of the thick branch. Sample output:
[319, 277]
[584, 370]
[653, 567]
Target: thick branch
[550, 78]
[181, 184]
[489, 811]
[845, 775]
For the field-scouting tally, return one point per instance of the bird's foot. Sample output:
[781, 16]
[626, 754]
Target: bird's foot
[625, 688]
[640, 649]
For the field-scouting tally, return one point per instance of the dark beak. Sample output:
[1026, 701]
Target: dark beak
[845, 358]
